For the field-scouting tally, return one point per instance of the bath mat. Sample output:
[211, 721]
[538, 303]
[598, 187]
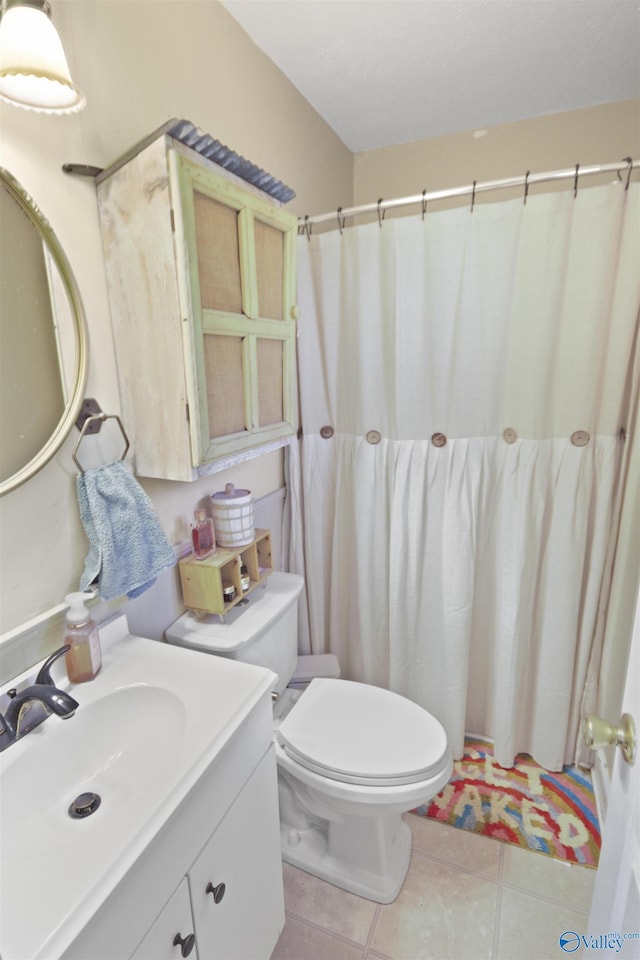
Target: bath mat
[551, 813]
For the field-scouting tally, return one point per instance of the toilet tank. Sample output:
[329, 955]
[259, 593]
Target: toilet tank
[264, 631]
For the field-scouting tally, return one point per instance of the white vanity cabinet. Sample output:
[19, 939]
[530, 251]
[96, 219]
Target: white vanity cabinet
[229, 906]
[178, 746]
[201, 281]
[226, 831]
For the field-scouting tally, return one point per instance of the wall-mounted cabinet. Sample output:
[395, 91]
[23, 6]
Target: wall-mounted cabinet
[201, 278]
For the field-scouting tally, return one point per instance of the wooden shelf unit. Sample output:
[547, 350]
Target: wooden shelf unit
[202, 580]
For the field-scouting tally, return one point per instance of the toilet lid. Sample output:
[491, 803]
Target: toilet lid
[362, 734]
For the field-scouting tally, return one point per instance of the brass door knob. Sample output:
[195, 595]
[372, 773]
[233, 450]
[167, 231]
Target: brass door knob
[598, 733]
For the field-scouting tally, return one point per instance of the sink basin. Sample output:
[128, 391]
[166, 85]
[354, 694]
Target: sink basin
[115, 747]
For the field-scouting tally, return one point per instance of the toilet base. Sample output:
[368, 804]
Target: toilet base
[367, 856]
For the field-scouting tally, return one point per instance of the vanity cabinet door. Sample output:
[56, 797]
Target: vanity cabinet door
[171, 936]
[236, 882]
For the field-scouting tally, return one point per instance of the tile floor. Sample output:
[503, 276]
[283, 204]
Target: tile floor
[465, 896]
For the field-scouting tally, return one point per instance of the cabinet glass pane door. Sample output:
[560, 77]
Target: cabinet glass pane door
[218, 254]
[240, 275]
[270, 379]
[270, 270]
[223, 360]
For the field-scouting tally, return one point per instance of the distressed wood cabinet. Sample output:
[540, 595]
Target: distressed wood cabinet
[201, 279]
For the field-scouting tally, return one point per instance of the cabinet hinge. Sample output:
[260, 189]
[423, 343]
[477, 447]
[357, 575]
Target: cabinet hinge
[173, 220]
[186, 410]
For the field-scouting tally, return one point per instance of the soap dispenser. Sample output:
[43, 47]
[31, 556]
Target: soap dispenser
[84, 659]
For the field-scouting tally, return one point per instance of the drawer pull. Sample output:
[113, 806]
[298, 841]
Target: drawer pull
[186, 945]
[216, 892]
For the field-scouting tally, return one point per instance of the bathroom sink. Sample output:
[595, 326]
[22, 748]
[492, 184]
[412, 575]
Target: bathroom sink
[146, 730]
[116, 748]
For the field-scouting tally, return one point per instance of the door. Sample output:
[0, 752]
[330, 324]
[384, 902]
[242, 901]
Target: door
[241, 284]
[236, 882]
[171, 936]
[614, 924]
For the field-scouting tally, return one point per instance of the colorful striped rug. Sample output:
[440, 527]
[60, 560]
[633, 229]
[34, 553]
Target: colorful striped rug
[551, 813]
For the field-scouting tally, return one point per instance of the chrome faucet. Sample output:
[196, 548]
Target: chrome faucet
[43, 692]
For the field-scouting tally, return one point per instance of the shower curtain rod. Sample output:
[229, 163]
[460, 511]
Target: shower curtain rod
[573, 173]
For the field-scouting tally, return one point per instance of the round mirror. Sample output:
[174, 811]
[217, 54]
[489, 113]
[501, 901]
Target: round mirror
[44, 356]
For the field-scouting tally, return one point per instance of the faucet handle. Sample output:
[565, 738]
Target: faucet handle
[44, 675]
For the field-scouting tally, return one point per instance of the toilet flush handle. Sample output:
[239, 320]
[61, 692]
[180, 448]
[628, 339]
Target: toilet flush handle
[598, 733]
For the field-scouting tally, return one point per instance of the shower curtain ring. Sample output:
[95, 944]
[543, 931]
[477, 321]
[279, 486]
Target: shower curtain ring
[473, 195]
[380, 217]
[341, 220]
[575, 182]
[526, 185]
[424, 203]
[308, 226]
[629, 162]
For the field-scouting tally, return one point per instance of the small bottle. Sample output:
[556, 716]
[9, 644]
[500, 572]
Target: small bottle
[85, 658]
[228, 592]
[202, 535]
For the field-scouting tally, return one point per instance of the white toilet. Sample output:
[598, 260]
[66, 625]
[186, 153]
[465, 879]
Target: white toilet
[352, 758]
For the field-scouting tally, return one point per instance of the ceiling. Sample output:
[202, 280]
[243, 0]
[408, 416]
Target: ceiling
[384, 72]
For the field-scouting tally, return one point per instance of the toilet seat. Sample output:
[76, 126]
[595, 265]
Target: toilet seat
[360, 734]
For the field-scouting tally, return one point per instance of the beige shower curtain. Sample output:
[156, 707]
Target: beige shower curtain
[464, 393]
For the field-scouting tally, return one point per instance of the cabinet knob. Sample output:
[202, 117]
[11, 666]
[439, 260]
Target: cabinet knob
[186, 945]
[216, 892]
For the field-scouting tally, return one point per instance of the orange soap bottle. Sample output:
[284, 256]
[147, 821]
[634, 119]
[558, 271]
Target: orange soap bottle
[84, 659]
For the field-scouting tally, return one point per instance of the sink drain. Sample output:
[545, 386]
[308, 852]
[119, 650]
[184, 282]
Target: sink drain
[84, 805]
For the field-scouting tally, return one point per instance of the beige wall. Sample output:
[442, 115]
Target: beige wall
[595, 135]
[140, 63]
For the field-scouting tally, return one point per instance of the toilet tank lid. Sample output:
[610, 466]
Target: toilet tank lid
[244, 624]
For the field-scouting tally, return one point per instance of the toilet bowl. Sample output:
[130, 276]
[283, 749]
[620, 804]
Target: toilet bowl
[352, 757]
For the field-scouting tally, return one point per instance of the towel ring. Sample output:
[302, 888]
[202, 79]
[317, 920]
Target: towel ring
[85, 427]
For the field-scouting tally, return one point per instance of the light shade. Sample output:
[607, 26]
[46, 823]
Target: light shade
[33, 68]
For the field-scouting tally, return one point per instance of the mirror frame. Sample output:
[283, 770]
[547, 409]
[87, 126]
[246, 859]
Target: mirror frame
[76, 393]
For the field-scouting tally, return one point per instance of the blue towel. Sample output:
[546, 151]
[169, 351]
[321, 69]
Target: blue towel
[127, 545]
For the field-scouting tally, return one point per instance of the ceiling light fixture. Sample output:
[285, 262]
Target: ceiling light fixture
[34, 73]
